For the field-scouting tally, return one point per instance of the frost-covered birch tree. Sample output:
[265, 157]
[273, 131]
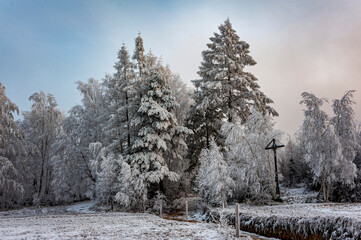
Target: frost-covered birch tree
[250, 165]
[345, 129]
[43, 126]
[213, 181]
[74, 178]
[323, 151]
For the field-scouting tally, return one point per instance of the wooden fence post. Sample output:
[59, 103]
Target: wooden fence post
[186, 210]
[237, 220]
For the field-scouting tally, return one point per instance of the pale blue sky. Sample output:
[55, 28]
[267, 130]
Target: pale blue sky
[299, 45]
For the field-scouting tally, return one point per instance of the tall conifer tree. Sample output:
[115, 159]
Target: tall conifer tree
[225, 90]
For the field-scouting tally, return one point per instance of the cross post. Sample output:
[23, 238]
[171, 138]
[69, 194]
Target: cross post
[274, 147]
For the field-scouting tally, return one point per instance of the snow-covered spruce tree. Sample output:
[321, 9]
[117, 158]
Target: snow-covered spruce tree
[345, 128]
[43, 125]
[226, 89]
[205, 124]
[213, 181]
[11, 190]
[73, 175]
[226, 84]
[323, 151]
[155, 122]
[122, 105]
[250, 165]
[176, 147]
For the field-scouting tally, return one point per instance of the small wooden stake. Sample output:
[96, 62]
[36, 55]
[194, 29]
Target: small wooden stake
[186, 210]
[237, 220]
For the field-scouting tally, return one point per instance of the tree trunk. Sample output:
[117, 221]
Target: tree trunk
[229, 98]
[128, 121]
[328, 191]
[207, 133]
[323, 186]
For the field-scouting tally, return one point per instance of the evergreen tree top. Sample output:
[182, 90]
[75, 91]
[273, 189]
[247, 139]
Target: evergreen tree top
[124, 59]
[226, 51]
[139, 48]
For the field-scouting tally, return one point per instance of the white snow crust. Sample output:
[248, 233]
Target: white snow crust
[79, 222]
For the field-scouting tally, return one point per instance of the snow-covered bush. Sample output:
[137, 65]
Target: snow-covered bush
[213, 181]
[107, 168]
[11, 190]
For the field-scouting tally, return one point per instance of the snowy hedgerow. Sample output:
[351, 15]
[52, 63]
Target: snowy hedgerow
[213, 181]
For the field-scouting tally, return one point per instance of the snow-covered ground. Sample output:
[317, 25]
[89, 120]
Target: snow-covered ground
[78, 221]
[298, 194]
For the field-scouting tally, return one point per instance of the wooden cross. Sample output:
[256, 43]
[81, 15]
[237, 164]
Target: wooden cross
[274, 147]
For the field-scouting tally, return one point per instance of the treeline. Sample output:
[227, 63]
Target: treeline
[141, 135]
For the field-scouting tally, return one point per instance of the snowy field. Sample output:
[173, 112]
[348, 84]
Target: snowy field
[78, 222]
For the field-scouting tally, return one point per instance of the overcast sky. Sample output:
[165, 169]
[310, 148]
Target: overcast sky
[299, 46]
